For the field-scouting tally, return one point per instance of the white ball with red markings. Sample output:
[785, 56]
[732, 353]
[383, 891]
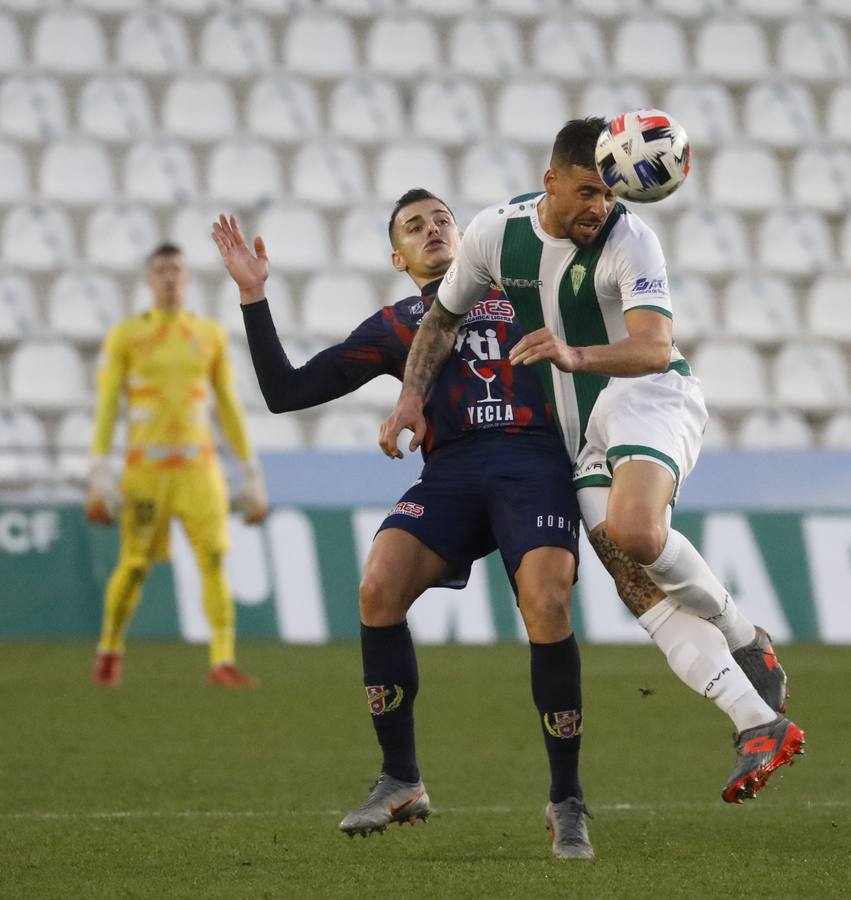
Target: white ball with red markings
[643, 155]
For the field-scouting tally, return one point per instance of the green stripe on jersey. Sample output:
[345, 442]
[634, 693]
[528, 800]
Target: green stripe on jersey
[658, 309]
[522, 198]
[448, 312]
[641, 450]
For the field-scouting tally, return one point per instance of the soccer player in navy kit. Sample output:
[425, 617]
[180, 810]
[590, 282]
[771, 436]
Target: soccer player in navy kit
[496, 476]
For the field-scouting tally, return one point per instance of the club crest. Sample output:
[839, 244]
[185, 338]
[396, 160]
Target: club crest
[577, 276]
[566, 724]
[376, 698]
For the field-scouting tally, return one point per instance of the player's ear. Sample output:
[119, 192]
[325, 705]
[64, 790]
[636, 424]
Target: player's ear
[398, 261]
[550, 177]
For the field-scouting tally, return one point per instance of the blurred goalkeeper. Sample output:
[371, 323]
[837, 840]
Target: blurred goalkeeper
[165, 362]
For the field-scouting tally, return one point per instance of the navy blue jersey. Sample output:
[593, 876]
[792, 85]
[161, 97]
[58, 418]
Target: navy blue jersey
[477, 389]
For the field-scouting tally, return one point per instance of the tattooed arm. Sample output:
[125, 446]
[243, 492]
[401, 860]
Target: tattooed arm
[428, 353]
[634, 587]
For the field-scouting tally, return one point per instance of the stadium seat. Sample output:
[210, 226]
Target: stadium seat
[838, 113]
[821, 179]
[328, 173]
[732, 375]
[811, 376]
[731, 48]
[320, 45]
[716, 435]
[770, 9]
[775, 429]
[449, 111]
[115, 108]
[794, 242]
[245, 378]
[76, 171]
[236, 43]
[828, 308]
[813, 48]
[18, 309]
[271, 434]
[73, 442]
[837, 8]
[69, 41]
[152, 42]
[651, 48]
[780, 114]
[494, 170]
[709, 241]
[837, 432]
[83, 306]
[530, 112]
[228, 311]
[346, 430]
[333, 303]
[403, 46]
[199, 107]
[15, 181]
[296, 237]
[38, 237]
[119, 236]
[760, 308]
[283, 108]
[244, 172]
[401, 166]
[706, 110]
[693, 302]
[381, 393]
[485, 47]
[363, 240]
[367, 110]
[32, 108]
[190, 229]
[571, 48]
[745, 178]
[11, 45]
[609, 98]
[47, 376]
[160, 171]
[23, 448]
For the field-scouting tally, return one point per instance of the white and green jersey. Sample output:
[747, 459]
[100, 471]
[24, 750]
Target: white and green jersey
[579, 293]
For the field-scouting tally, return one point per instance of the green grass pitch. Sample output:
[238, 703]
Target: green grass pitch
[167, 788]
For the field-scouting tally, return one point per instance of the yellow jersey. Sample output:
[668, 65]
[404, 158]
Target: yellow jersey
[166, 363]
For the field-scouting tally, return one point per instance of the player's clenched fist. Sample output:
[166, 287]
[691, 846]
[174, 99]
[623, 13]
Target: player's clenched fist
[407, 414]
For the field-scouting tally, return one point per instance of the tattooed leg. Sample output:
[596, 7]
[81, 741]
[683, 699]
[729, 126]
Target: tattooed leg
[637, 591]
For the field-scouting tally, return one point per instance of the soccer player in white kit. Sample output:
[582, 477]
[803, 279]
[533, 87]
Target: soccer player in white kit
[588, 281]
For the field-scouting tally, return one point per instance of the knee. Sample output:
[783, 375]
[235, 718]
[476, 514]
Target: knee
[638, 535]
[546, 609]
[380, 603]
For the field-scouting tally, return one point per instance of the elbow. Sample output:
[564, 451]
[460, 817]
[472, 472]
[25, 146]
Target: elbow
[658, 357]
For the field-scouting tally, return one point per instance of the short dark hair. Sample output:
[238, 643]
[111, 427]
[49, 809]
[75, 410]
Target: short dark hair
[167, 248]
[414, 195]
[575, 143]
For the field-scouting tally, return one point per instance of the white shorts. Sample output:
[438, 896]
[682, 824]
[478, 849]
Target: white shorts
[659, 418]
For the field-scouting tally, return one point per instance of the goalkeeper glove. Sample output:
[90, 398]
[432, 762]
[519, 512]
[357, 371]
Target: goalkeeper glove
[251, 500]
[103, 500]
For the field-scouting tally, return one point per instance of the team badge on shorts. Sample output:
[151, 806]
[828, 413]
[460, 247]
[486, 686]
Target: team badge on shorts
[566, 724]
[376, 698]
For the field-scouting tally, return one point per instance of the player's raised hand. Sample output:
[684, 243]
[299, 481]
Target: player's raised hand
[543, 344]
[249, 270]
[407, 414]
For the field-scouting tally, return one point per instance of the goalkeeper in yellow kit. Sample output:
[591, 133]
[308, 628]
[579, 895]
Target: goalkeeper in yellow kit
[165, 362]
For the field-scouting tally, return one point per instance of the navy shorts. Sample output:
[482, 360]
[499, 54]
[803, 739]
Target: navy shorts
[488, 491]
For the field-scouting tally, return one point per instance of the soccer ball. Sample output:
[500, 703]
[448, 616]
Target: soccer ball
[643, 155]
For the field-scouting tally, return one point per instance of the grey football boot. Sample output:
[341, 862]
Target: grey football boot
[759, 662]
[566, 823]
[390, 800]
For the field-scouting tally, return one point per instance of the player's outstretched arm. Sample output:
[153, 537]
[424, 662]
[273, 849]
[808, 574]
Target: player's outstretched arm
[249, 270]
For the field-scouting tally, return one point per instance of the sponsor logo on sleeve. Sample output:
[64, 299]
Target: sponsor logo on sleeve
[650, 286]
[417, 309]
[406, 508]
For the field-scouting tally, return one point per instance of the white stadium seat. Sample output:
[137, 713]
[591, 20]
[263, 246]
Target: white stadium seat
[274, 433]
[244, 172]
[815, 49]
[363, 240]
[11, 45]
[296, 237]
[73, 443]
[401, 166]
[23, 447]
[694, 308]
[228, 311]
[18, 310]
[283, 108]
[160, 171]
[245, 378]
[15, 181]
[345, 430]
[153, 43]
[38, 237]
[837, 8]
[837, 432]
[770, 9]
[190, 230]
[745, 178]
[236, 43]
[403, 46]
[334, 303]
[760, 308]
[838, 113]
[485, 47]
[651, 48]
[710, 241]
[716, 435]
[47, 376]
[76, 171]
[83, 306]
[328, 173]
[367, 110]
[530, 112]
[380, 393]
[449, 111]
[706, 110]
[569, 47]
[609, 98]
[320, 45]
[794, 242]
[33, 108]
[812, 376]
[775, 429]
[828, 307]
[119, 236]
[199, 107]
[732, 374]
[731, 48]
[494, 170]
[780, 113]
[115, 108]
[69, 41]
[821, 179]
